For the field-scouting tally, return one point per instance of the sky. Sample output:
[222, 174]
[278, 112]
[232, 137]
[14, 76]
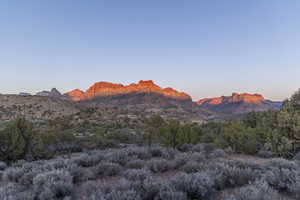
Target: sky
[206, 48]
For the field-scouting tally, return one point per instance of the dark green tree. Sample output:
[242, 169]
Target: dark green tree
[17, 140]
[154, 128]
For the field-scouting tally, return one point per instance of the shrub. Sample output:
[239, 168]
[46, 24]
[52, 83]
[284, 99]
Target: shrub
[168, 192]
[239, 176]
[13, 191]
[186, 147]
[120, 157]
[19, 163]
[13, 174]
[260, 190]
[205, 148]
[57, 164]
[80, 174]
[285, 180]
[27, 178]
[108, 169]
[217, 153]
[297, 157]
[140, 152]
[121, 191]
[229, 150]
[265, 154]
[122, 195]
[156, 151]
[137, 175]
[3, 166]
[231, 176]
[180, 160]
[53, 185]
[150, 188]
[158, 165]
[198, 157]
[86, 160]
[136, 164]
[191, 167]
[169, 153]
[197, 186]
[90, 190]
[281, 163]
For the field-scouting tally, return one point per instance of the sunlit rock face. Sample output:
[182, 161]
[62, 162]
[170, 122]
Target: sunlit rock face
[76, 95]
[238, 103]
[111, 89]
[235, 97]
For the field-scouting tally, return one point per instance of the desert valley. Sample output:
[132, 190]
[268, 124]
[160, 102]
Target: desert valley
[149, 100]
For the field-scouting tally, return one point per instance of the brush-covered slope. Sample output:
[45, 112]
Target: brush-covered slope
[35, 107]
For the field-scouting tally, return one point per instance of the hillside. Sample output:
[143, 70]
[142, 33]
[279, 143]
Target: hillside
[35, 107]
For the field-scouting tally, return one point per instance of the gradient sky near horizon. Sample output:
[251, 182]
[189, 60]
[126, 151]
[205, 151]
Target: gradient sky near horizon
[206, 48]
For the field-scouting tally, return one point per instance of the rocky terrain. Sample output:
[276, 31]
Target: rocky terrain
[238, 103]
[35, 107]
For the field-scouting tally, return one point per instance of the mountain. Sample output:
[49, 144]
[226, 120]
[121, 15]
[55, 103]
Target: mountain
[144, 96]
[145, 93]
[238, 103]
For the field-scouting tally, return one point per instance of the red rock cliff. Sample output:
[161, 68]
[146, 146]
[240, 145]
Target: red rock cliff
[235, 97]
[110, 89]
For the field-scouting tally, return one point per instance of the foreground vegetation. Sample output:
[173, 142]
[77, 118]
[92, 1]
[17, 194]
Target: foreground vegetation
[138, 172]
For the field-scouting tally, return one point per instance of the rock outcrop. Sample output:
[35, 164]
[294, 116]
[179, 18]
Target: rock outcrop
[238, 103]
[234, 98]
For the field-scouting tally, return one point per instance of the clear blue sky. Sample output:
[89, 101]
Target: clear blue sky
[204, 47]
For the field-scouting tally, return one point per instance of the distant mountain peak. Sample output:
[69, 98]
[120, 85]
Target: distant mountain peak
[53, 93]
